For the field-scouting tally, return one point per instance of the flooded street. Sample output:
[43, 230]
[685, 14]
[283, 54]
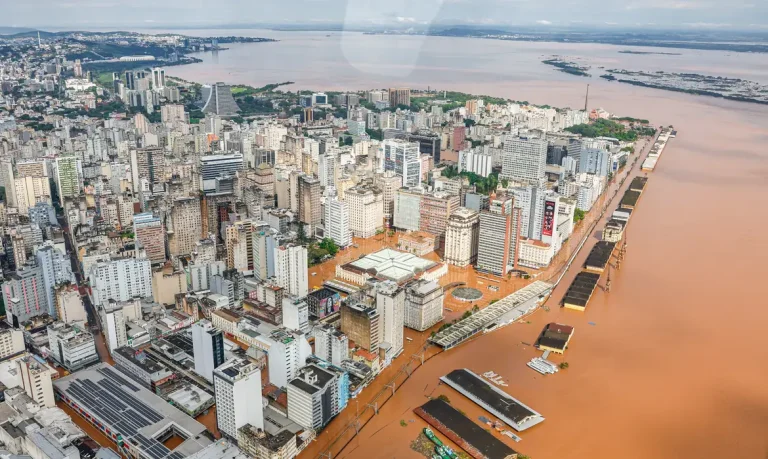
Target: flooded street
[673, 365]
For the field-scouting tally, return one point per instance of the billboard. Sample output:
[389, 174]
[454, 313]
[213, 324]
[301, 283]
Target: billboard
[549, 218]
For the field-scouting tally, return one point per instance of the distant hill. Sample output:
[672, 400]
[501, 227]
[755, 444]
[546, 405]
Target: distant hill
[15, 30]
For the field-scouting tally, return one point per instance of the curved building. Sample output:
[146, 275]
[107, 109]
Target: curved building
[218, 100]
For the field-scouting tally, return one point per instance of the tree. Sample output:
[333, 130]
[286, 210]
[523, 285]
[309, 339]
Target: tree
[563, 365]
[302, 234]
[444, 398]
[578, 215]
[330, 246]
[468, 122]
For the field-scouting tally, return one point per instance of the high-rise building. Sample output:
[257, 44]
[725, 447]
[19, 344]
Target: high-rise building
[389, 183]
[458, 141]
[172, 112]
[24, 295]
[524, 160]
[11, 342]
[71, 347]
[476, 161]
[529, 199]
[187, 225]
[35, 376]
[150, 233]
[361, 323]
[208, 343]
[310, 212]
[337, 221]
[423, 304]
[7, 180]
[158, 78]
[407, 209]
[436, 208]
[30, 191]
[399, 96]
[239, 243]
[237, 387]
[56, 268]
[331, 344]
[217, 99]
[218, 166]
[461, 237]
[148, 164]
[498, 236]
[120, 279]
[291, 269]
[366, 210]
[314, 397]
[595, 161]
[288, 352]
[68, 179]
[390, 303]
[404, 159]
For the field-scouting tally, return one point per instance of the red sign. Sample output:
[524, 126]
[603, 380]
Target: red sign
[549, 218]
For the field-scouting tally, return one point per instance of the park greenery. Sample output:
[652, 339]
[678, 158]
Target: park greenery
[578, 215]
[608, 128]
[319, 252]
[484, 185]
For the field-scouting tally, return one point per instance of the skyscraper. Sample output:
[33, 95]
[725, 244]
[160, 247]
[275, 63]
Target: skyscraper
[390, 303]
[461, 237]
[147, 164]
[366, 210]
[524, 160]
[404, 159]
[24, 295]
[337, 221]
[56, 268]
[399, 96]
[497, 238]
[217, 99]
[158, 78]
[208, 343]
[309, 202]
[291, 269]
[187, 225]
[150, 232]
[121, 280]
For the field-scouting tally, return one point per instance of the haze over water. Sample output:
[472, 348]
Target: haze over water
[674, 366]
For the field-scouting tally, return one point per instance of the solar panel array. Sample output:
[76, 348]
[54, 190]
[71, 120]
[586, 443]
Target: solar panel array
[121, 411]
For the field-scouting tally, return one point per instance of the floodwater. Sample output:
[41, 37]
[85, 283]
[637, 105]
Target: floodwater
[674, 365]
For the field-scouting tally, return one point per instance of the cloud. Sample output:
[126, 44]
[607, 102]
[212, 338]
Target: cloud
[406, 20]
[544, 22]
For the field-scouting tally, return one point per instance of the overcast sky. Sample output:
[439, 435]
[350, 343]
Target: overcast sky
[733, 14]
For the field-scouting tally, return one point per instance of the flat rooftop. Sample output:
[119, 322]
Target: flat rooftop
[456, 424]
[599, 255]
[495, 401]
[133, 412]
[581, 289]
[630, 199]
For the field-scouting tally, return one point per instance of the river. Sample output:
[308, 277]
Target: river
[673, 366]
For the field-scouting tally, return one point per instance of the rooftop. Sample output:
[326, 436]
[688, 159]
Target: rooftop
[391, 264]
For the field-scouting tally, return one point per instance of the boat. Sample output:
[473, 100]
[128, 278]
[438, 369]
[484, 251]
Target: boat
[442, 452]
[431, 435]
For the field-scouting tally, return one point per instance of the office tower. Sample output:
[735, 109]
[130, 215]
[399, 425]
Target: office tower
[291, 269]
[120, 280]
[404, 159]
[114, 318]
[218, 100]
[458, 140]
[148, 164]
[31, 190]
[31, 169]
[399, 96]
[208, 343]
[524, 160]
[288, 352]
[7, 179]
[68, 179]
[497, 236]
[309, 202]
[71, 347]
[239, 244]
[461, 237]
[475, 161]
[435, 209]
[35, 376]
[57, 269]
[423, 304]
[390, 303]
[331, 344]
[263, 248]
[530, 200]
[130, 80]
[407, 209]
[429, 143]
[11, 342]
[295, 313]
[595, 161]
[237, 387]
[217, 166]
[150, 232]
[78, 69]
[327, 167]
[314, 397]
[337, 221]
[366, 210]
[389, 183]
[158, 78]
[187, 224]
[319, 98]
[24, 295]
[361, 323]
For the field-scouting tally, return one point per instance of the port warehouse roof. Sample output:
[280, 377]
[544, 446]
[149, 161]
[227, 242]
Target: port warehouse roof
[555, 336]
[495, 401]
[451, 423]
[629, 199]
[518, 304]
[581, 289]
[638, 184]
[599, 255]
[104, 396]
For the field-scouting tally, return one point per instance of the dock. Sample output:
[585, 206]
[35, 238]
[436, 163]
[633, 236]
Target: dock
[581, 290]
